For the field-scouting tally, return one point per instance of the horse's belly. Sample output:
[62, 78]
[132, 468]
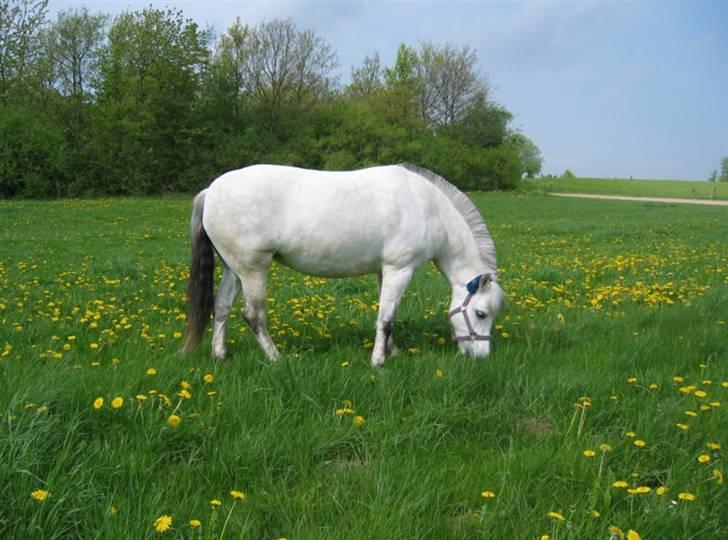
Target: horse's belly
[318, 260]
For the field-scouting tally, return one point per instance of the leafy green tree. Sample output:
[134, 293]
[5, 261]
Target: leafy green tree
[723, 170]
[529, 154]
[151, 73]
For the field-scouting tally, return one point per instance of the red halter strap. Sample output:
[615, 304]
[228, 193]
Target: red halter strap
[472, 334]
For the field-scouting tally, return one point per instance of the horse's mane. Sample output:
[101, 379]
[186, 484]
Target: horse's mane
[471, 215]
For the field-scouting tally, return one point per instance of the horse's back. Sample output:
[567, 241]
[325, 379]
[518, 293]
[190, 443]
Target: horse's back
[321, 222]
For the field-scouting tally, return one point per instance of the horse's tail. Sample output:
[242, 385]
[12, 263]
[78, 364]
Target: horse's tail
[200, 299]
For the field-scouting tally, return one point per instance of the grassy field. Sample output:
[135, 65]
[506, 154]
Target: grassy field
[682, 189]
[603, 408]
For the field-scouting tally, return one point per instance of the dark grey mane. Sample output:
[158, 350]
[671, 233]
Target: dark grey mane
[486, 247]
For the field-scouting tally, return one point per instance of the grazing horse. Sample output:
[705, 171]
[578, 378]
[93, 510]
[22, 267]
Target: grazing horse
[386, 220]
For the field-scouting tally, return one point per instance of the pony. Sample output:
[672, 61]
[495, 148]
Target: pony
[388, 220]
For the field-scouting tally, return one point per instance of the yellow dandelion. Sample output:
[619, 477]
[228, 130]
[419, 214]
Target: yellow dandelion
[714, 446]
[238, 494]
[703, 458]
[633, 535]
[208, 378]
[162, 523]
[678, 379]
[184, 394]
[117, 402]
[151, 372]
[616, 532]
[185, 385]
[641, 490]
[359, 421]
[630, 434]
[195, 523]
[684, 427]
[632, 380]
[653, 386]
[640, 443]
[718, 475]
[691, 414]
[545, 537]
[441, 341]
[488, 495]
[215, 503]
[594, 513]
[556, 516]
[686, 496]
[98, 403]
[620, 484]
[174, 420]
[39, 495]
[661, 490]
[141, 397]
[589, 453]
[439, 374]
[604, 447]
[700, 394]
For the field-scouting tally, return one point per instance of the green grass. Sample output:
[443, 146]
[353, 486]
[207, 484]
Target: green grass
[682, 189]
[605, 299]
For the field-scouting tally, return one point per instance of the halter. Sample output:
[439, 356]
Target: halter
[472, 287]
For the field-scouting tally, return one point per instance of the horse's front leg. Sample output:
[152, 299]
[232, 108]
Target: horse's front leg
[254, 291]
[224, 299]
[390, 348]
[394, 281]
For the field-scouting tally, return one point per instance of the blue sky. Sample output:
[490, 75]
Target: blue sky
[608, 89]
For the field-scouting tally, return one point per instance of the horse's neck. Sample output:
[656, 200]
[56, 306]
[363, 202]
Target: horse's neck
[458, 259]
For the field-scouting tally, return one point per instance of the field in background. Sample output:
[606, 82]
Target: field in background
[683, 189]
[604, 405]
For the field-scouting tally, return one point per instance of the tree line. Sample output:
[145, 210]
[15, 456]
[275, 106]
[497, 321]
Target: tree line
[148, 102]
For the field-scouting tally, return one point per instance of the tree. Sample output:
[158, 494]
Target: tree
[20, 46]
[529, 154]
[151, 72]
[367, 79]
[723, 170]
[74, 41]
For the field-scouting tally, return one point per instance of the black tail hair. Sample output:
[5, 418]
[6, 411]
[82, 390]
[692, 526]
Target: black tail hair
[200, 298]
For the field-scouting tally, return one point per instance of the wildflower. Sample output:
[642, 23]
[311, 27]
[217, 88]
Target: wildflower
[589, 453]
[439, 374]
[141, 397]
[718, 476]
[684, 427]
[686, 496]
[703, 458]
[184, 394]
[112, 510]
[633, 535]
[594, 513]
[678, 379]
[700, 394]
[208, 378]
[344, 364]
[714, 446]
[344, 410]
[195, 523]
[237, 494]
[215, 503]
[653, 386]
[117, 402]
[632, 380]
[661, 490]
[174, 420]
[185, 385]
[640, 443]
[487, 495]
[441, 341]
[616, 532]
[545, 537]
[556, 516]
[98, 403]
[151, 372]
[620, 484]
[630, 434]
[691, 414]
[641, 490]
[604, 447]
[359, 421]
[162, 523]
[40, 495]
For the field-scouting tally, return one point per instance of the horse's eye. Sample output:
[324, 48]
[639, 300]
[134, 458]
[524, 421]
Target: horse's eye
[480, 314]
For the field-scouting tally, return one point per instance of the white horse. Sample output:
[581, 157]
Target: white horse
[386, 220]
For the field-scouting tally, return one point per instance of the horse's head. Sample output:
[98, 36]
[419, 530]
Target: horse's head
[472, 312]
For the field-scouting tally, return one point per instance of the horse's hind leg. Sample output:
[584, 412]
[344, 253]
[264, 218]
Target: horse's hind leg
[394, 283]
[390, 347]
[226, 293]
[254, 293]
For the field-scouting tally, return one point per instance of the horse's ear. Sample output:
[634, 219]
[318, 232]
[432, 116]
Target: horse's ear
[485, 281]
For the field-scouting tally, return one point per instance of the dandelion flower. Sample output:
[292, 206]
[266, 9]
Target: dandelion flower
[40, 495]
[439, 374]
[616, 532]
[686, 496]
[632, 380]
[661, 490]
[238, 494]
[682, 426]
[195, 523]
[594, 513]
[487, 495]
[117, 402]
[714, 446]
[703, 458]
[604, 447]
[162, 523]
[589, 453]
[641, 490]
[215, 503]
[556, 516]
[700, 394]
[640, 443]
[359, 421]
[633, 535]
[174, 420]
[630, 434]
[208, 378]
[620, 484]
[151, 372]
[185, 385]
[98, 403]
[718, 475]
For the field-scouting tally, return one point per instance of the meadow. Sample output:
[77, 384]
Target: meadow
[681, 189]
[602, 412]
